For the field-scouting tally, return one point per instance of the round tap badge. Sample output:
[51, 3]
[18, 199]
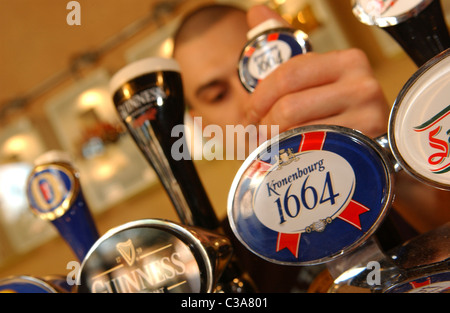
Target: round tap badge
[152, 256]
[419, 126]
[387, 12]
[51, 190]
[266, 51]
[310, 195]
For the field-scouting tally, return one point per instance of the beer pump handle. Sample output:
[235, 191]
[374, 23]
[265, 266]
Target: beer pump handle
[54, 194]
[148, 96]
[417, 26]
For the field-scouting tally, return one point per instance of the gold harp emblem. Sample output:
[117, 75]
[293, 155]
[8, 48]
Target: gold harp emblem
[127, 251]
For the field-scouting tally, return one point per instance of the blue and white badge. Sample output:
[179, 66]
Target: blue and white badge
[433, 283]
[310, 195]
[265, 51]
[51, 190]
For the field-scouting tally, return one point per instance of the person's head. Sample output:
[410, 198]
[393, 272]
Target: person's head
[207, 47]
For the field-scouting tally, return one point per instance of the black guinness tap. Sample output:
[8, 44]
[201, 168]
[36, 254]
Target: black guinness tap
[148, 96]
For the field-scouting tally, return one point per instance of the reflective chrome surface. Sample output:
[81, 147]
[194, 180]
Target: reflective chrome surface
[154, 256]
[420, 265]
[28, 284]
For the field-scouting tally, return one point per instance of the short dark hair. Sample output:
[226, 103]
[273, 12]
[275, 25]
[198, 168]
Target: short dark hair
[200, 18]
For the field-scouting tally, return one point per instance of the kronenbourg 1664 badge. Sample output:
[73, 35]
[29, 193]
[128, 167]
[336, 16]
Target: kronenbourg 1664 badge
[270, 44]
[419, 126]
[310, 195]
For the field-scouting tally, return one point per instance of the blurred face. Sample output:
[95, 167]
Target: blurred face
[208, 65]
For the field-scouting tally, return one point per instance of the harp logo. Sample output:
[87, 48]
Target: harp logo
[137, 270]
[127, 251]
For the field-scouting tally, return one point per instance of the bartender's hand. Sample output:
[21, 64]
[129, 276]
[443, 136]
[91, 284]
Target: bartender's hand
[336, 88]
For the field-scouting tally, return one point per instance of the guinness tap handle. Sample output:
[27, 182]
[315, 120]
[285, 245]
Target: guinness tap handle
[417, 25]
[148, 95]
[154, 255]
[54, 194]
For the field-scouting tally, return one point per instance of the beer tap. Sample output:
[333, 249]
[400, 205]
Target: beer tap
[323, 204]
[292, 215]
[55, 194]
[420, 29]
[148, 96]
[418, 26]
[154, 256]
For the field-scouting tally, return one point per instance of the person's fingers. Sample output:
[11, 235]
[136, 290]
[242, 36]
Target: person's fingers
[334, 105]
[260, 13]
[303, 72]
[301, 107]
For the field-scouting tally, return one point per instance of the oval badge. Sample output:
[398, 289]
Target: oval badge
[50, 190]
[310, 195]
[266, 52]
[327, 182]
[419, 126]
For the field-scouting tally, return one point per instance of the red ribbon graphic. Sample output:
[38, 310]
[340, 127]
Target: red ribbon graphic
[315, 141]
[273, 36]
[257, 168]
[250, 51]
[352, 212]
[290, 241]
[312, 141]
[416, 284]
[350, 215]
